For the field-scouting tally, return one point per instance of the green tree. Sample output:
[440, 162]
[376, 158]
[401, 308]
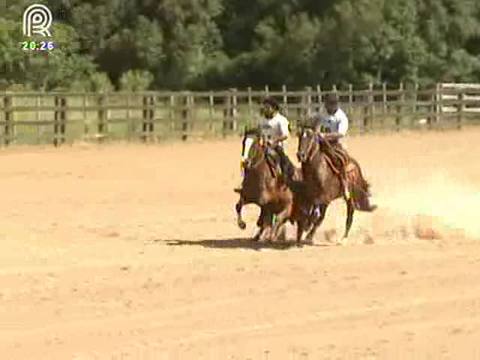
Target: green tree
[136, 80]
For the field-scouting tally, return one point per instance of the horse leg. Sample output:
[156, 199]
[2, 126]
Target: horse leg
[266, 230]
[282, 218]
[350, 212]
[238, 208]
[317, 223]
[300, 229]
[282, 233]
[262, 220]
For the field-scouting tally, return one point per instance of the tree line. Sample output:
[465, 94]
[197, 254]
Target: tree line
[103, 45]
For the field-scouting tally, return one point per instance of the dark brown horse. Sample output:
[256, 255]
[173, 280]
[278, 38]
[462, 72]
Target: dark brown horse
[264, 185]
[322, 183]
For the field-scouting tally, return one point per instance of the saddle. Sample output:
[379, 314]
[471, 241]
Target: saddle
[338, 158]
[274, 160]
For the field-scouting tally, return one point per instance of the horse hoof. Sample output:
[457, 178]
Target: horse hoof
[242, 225]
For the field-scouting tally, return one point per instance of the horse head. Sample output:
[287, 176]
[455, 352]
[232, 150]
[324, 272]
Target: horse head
[253, 147]
[307, 140]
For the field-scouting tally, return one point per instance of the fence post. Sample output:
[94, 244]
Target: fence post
[186, 116]
[319, 99]
[102, 127]
[234, 109]
[86, 128]
[130, 129]
[250, 105]
[285, 100]
[350, 97]
[384, 104]
[9, 132]
[438, 105]
[308, 110]
[171, 112]
[211, 110]
[148, 117]
[400, 100]
[230, 112]
[414, 104]
[227, 126]
[60, 118]
[369, 119]
[37, 118]
[460, 109]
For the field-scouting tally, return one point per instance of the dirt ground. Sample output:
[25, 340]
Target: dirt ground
[132, 252]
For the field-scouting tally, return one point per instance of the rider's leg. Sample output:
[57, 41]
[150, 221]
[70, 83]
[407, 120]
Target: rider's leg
[341, 164]
[285, 164]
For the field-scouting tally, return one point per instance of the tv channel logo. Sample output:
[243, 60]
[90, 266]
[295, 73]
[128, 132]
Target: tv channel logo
[37, 19]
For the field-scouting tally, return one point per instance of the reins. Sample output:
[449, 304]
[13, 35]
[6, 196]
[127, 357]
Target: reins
[314, 149]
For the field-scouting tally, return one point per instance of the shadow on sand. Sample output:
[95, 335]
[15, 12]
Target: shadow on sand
[237, 243]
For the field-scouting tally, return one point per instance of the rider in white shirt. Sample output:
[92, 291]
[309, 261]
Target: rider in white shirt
[333, 127]
[334, 124]
[275, 127]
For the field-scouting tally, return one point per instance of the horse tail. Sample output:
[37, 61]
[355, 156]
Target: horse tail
[361, 191]
[362, 182]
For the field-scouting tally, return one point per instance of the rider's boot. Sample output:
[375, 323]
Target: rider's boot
[288, 172]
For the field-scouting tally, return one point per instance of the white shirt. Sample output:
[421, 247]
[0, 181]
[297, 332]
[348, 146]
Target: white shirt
[276, 127]
[336, 123]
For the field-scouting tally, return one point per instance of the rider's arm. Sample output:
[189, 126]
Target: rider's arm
[284, 132]
[341, 129]
[316, 122]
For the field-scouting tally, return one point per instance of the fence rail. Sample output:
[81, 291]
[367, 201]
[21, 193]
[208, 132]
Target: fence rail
[35, 118]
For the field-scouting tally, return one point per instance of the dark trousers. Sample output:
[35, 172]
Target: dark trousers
[286, 165]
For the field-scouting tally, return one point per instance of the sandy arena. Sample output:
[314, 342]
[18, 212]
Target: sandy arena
[132, 252]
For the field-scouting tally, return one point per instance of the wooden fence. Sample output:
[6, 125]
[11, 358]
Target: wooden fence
[39, 118]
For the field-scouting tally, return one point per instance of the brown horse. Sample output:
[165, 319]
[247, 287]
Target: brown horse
[322, 183]
[264, 186]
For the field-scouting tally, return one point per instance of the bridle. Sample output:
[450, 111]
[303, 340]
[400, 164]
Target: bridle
[259, 141]
[260, 155]
[313, 146]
